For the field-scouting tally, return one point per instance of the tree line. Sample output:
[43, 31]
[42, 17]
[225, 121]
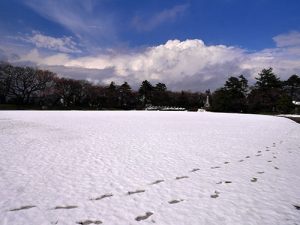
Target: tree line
[268, 95]
[28, 87]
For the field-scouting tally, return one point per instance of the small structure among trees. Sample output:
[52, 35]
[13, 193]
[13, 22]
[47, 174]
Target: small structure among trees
[297, 107]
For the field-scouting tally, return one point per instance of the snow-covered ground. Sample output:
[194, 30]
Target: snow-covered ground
[175, 168]
[290, 115]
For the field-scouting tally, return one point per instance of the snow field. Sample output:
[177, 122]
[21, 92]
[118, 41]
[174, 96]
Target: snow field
[78, 168]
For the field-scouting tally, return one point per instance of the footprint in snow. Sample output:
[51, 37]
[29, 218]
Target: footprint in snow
[146, 216]
[247, 157]
[267, 150]
[215, 195]
[87, 222]
[175, 201]
[157, 182]
[258, 151]
[23, 208]
[215, 167]
[101, 197]
[241, 160]
[274, 157]
[269, 160]
[183, 177]
[194, 170]
[258, 155]
[66, 207]
[276, 168]
[226, 162]
[225, 182]
[254, 179]
[261, 172]
[297, 207]
[135, 192]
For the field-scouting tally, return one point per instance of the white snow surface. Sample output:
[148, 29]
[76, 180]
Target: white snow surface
[290, 115]
[52, 159]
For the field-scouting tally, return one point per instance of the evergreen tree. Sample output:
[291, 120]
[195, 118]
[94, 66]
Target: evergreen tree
[267, 80]
[111, 100]
[145, 92]
[266, 93]
[160, 95]
[232, 97]
[125, 96]
[292, 87]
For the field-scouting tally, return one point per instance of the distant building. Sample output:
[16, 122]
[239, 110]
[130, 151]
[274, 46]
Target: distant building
[297, 107]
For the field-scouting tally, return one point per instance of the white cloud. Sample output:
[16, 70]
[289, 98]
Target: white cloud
[288, 40]
[63, 44]
[157, 19]
[188, 64]
[52, 60]
[173, 60]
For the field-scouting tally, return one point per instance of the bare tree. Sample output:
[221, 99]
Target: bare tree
[6, 72]
[27, 81]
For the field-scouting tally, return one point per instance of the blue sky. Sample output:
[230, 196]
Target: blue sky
[189, 44]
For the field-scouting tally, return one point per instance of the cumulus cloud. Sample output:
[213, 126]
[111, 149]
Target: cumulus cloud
[189, 64]
[174, 61]
[63, 44]
[157, 19]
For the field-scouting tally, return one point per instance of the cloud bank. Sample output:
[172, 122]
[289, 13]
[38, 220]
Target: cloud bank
[189, 64]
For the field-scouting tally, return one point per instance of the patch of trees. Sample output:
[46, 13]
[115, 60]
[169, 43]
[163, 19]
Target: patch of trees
[232, 97]
[22, 83]
[268, 95]
[27, 87]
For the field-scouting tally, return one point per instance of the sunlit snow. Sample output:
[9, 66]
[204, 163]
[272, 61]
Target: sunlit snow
[145, 167]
